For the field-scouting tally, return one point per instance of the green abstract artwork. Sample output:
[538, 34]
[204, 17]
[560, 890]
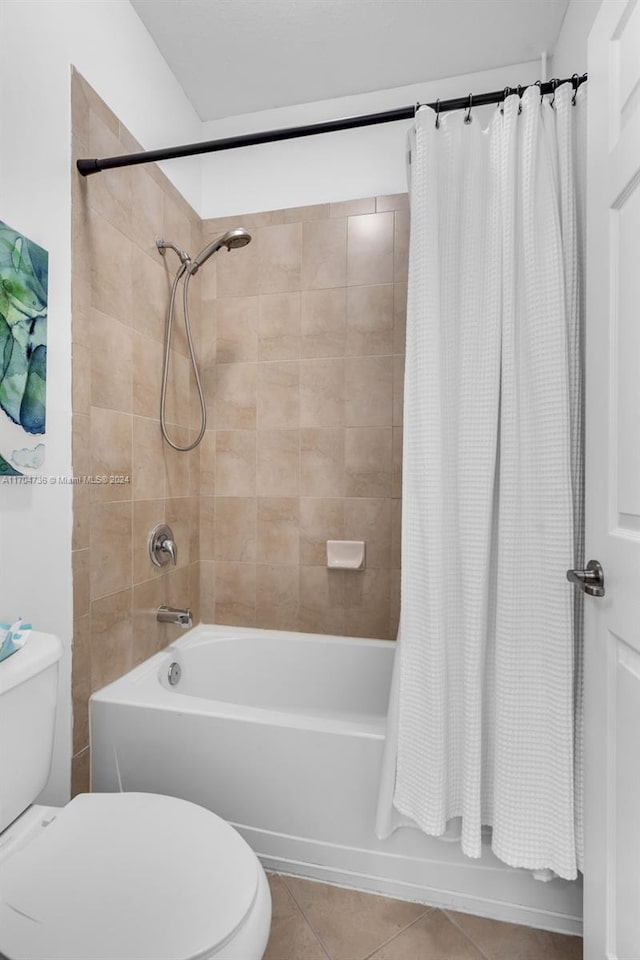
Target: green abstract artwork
[23, 352]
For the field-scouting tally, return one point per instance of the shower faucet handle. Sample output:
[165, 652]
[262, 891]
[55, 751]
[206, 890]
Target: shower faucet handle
[162, 546]
[168, 546]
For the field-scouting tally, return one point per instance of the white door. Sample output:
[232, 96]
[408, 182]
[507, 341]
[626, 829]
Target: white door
[612, 623]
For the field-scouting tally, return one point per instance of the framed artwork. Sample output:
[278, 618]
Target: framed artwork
[23, 353]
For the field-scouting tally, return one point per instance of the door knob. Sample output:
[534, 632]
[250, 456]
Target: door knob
[590, 580]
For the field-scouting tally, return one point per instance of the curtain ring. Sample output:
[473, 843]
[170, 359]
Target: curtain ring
[438, 113]
[554, 83]
[468, 116]
[520, 99]
[575, 80]
[505, 94]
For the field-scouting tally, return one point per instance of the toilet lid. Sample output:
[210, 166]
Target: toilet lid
[127, 876]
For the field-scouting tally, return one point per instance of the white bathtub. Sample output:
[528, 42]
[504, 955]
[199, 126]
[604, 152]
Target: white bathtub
[282, 734]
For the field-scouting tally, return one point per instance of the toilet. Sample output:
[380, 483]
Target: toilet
[114, 876]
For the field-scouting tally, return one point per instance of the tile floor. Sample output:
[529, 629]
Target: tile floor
[314, 921]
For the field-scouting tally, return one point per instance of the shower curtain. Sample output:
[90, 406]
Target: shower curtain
[484, 727]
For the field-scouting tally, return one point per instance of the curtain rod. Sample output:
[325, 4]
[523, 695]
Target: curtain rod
[88, 166]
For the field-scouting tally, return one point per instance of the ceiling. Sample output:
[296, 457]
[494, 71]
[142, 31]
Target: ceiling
[242, 56]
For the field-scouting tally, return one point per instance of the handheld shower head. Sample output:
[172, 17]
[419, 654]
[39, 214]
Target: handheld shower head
[232, 240]
[239, 237]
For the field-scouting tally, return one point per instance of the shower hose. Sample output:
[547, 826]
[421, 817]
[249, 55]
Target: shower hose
[194, 363]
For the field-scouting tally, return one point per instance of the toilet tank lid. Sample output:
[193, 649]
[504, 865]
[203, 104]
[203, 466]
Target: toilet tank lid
[40, 651]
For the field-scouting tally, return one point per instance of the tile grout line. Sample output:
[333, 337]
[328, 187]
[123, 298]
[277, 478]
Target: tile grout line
[310, 925]
[305, 918]
[399, 933]
[379, 946]
[465, 934]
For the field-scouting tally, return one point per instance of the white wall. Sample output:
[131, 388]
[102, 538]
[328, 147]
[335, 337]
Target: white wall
[355, 163]
[570, 54]
[39, 41]
[365, 162]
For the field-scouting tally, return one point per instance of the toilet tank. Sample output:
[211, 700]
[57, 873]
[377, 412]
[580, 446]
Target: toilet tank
[28, 692]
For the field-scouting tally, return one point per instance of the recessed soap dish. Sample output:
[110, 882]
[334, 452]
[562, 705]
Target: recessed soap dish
[345, 554]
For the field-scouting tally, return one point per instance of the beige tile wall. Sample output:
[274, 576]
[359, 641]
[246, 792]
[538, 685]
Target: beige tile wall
[120, 296]
[301, 343]
[303, 337]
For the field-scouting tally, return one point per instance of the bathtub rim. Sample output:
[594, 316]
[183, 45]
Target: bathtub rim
[203, 631]
[144, 686]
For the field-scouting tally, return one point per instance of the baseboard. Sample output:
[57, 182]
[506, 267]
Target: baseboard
[508, 895]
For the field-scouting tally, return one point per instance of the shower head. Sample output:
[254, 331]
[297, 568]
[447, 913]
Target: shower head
[239, 237]
[232, 239]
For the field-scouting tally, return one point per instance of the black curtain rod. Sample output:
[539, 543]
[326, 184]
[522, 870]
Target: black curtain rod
[89, 166]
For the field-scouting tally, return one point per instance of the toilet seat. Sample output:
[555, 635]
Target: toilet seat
[124, 876]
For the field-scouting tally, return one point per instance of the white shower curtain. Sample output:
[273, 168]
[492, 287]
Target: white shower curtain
[484, 720]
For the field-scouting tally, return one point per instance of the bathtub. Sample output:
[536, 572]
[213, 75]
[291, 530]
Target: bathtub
[282, 734]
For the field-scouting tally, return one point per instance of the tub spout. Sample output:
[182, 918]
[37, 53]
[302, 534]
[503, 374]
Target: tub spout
[172, 615]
